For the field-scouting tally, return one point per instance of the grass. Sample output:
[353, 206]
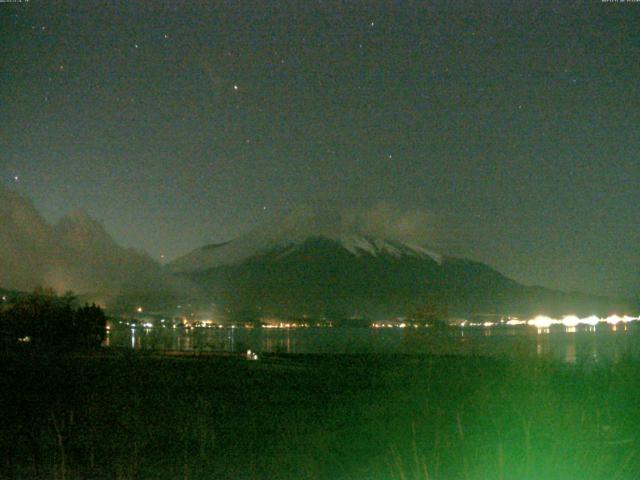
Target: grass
[127, 416]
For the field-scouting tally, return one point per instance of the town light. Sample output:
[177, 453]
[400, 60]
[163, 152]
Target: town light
[542, 321]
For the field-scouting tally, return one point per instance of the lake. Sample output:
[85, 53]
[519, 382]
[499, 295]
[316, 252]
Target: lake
[582, 344]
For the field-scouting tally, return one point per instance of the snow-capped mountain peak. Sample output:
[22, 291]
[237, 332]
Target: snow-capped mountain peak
[359, 244]
[287, 234]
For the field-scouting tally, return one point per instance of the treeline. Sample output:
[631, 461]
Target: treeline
[46, 320]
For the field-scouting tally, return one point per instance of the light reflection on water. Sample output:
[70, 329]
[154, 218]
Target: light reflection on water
[572, 345]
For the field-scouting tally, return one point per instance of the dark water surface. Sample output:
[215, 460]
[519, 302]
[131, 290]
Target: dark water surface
[582, 344]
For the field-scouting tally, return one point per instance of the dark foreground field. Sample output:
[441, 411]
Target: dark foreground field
[326, 417]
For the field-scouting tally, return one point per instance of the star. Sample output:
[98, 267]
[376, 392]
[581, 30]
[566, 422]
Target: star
[16, 178]
[235, 87]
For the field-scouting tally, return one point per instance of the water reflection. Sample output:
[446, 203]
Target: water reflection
[570, 356]
[575, 344]
[232, 340]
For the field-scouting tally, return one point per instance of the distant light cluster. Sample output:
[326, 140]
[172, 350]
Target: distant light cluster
[541, 322]
[570, 321]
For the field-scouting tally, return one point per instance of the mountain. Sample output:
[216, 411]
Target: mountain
[75, 254]
[96, 262]
[26, 240]
[314, 261]
[307, 265]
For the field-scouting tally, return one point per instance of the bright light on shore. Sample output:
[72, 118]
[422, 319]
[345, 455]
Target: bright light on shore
[542, 321]
[592, 321]
[514, 321]
[570, 321]
[613, 320]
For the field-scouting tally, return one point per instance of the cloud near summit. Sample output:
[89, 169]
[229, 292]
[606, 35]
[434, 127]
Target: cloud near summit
[383, 220]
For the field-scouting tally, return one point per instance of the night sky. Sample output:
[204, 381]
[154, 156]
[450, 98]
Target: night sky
[514, 125]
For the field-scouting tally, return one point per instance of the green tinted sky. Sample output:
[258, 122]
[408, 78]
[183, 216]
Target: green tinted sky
[515, 124]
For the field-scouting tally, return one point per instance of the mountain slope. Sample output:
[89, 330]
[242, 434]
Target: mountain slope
[27, 244]
[342, 275]
[322, 262]
[294, 229]
[75, 254]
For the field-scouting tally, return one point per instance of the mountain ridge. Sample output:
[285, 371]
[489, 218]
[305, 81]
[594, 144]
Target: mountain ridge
[326, 276]
[228, 253]
[76, 253]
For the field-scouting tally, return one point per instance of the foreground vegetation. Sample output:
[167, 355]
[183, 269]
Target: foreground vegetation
[42, 320]
[134, 416]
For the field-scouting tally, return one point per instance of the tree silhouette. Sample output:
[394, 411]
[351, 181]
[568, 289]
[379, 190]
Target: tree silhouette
[45, 320]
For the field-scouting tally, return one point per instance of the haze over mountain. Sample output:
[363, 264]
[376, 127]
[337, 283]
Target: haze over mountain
[323, 262]
[315, 260]
[75, 254]
[382, 222]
